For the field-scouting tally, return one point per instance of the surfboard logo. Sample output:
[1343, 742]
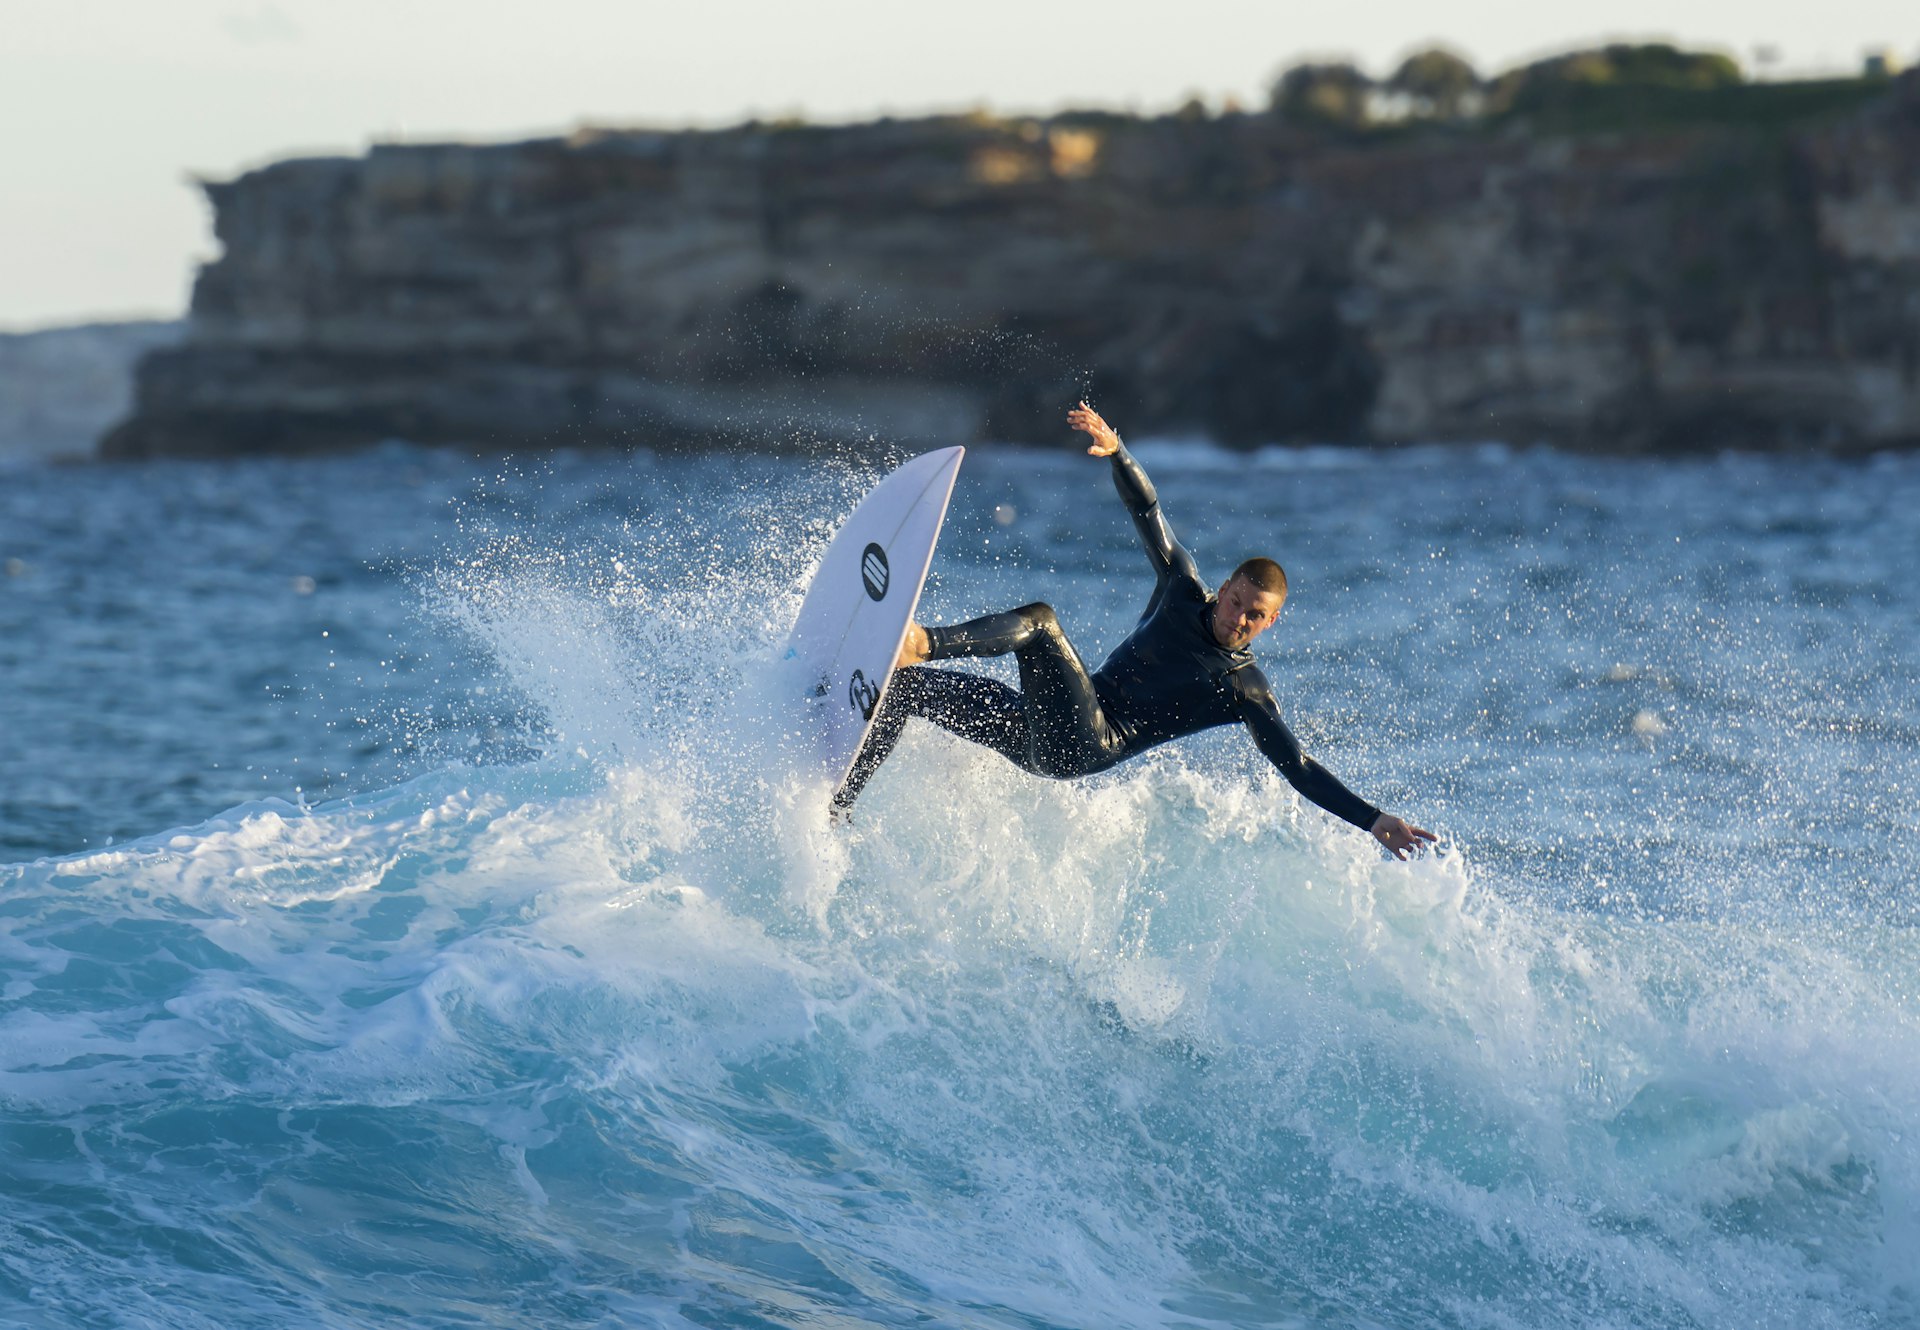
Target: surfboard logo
[863, 696]
[873, 571]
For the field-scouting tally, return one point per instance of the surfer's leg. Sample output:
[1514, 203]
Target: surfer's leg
[1067, 729]
[980, 710]
[990, 634]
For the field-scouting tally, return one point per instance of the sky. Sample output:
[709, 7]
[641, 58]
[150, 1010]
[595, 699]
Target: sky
[109, 109]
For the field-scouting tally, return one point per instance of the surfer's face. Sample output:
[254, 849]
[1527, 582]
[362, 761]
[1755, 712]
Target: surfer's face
[1243, 611]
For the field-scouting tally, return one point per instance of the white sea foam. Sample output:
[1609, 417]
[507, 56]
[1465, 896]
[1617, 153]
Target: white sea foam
[965, 1059]
[630, 1034]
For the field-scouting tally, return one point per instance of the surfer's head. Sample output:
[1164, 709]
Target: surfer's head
[1248, 602]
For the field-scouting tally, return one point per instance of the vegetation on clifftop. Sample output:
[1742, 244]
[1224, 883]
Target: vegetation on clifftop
[1616, 88]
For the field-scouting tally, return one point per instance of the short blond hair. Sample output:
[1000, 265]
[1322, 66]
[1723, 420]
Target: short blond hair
[1264, 575]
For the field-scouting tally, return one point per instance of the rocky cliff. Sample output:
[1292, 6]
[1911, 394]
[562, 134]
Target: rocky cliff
[1745, 279]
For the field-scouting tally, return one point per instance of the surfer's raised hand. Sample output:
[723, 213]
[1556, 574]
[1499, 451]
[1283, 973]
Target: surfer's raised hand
[1400, 836]
[1106, 441]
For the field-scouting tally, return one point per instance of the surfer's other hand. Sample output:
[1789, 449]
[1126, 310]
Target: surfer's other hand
[1106, 441]
[914, 648]
[1400, 836]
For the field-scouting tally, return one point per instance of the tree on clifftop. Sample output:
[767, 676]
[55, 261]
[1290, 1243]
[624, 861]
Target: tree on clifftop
[1567, 81]
[1437, 84]
[1322, 94]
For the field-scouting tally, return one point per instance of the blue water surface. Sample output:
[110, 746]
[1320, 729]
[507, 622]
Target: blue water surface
[404, 920]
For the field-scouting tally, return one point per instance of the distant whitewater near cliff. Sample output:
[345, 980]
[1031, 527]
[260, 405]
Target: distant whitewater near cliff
[60, 388]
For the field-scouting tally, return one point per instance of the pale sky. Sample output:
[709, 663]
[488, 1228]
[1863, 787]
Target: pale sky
[107, 107]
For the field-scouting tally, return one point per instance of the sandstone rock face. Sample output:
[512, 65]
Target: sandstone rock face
[948, 280]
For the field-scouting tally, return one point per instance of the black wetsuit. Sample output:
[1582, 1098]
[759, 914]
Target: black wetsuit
[1168, 679]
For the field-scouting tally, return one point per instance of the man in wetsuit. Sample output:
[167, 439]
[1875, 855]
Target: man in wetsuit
[1185, 667]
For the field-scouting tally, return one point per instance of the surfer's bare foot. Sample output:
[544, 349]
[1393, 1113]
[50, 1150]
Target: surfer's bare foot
[914, 650]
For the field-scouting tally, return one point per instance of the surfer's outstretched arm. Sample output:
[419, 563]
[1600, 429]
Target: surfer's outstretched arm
[1277, 744]
[1168, 557]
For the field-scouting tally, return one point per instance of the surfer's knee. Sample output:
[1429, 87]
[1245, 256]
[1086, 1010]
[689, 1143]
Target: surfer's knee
[1040, 618]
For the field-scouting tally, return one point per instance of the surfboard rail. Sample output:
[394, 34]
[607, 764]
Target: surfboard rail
[859, 605]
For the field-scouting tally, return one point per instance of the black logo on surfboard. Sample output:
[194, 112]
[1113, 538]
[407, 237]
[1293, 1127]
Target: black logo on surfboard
[873, 571]
[861, 695]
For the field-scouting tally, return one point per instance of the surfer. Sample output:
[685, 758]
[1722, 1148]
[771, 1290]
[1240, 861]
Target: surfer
[1186, 667]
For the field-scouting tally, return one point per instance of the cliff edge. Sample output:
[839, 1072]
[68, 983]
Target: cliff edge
[1742, 279]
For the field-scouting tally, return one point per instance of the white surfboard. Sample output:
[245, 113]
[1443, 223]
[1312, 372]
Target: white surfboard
[858, 607]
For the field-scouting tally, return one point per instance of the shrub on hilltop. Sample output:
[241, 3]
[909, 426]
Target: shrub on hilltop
[1609, 75]
[1437, 85]
[1335, 94]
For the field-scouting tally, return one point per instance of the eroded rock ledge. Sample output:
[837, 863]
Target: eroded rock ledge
[952, 279]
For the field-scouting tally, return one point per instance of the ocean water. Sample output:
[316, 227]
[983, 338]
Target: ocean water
[403, 920]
